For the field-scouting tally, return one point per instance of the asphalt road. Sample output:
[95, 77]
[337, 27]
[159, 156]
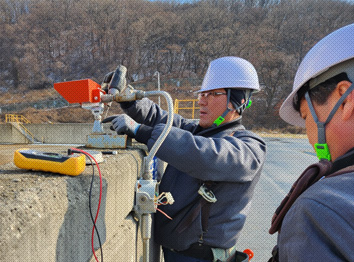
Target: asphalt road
[286, 159]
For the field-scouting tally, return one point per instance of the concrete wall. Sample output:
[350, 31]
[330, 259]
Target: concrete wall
[70, 133]
[9, 134]
[45, 216]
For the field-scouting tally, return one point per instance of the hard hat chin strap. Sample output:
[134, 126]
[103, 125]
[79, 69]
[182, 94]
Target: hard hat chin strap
[221, 118]
[239, 107]
[247, 102]
[321, 147]
[240, 99]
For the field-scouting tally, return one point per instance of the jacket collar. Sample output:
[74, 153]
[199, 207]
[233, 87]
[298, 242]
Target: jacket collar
[343, 161]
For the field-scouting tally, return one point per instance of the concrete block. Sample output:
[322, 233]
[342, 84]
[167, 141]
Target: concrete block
[45, 216]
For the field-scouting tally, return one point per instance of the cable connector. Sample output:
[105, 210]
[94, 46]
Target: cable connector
[165, 198]
[72, 151]
[169, 198]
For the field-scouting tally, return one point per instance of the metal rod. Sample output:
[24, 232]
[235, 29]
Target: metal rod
[157, 74]
[146, 223]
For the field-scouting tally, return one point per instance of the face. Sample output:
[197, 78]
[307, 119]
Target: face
[211, 107]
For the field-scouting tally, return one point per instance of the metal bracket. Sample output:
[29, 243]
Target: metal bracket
[146, 191]
[207, 194]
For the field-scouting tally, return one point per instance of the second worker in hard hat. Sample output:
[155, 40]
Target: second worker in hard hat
[216, 157]
[315, 221]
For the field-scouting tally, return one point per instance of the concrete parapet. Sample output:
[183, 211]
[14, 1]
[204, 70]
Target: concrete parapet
[60, 133]
[45, 216]
[10, 135]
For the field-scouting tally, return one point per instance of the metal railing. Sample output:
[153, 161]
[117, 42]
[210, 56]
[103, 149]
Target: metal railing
[16, 118]
[177, 106]
[17, 121]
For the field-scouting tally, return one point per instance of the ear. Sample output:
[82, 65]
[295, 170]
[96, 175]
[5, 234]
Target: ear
[348, 104]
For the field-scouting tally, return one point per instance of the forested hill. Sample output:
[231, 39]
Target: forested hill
[47, 41]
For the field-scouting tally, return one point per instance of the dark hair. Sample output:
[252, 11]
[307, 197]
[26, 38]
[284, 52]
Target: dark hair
[321, 92]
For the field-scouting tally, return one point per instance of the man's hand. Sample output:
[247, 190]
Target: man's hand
[123, 124]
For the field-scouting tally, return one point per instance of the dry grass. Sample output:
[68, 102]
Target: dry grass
[271, 133]
[287, 132]
[22, 95]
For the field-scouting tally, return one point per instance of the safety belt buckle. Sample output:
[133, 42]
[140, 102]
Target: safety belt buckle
[207, 194]
[322, 151]
[219, 120]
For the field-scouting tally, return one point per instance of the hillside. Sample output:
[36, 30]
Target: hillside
[74, 113]
[82, 39]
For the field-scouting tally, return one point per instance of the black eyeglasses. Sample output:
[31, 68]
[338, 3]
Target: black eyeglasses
[213, 93]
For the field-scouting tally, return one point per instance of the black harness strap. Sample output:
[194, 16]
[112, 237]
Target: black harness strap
[202, 206]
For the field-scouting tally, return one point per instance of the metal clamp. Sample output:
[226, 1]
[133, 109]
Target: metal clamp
[207, 194]
[145, 196]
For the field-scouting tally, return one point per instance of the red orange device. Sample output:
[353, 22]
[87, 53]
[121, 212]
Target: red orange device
[79, 91]
[249, 252]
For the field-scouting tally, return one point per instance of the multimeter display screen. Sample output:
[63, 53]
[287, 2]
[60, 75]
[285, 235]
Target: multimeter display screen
[44, 155]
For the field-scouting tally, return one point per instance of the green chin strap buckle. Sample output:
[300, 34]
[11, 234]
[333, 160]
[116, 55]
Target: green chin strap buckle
[249, 103]
[219, 120]
[322, 151]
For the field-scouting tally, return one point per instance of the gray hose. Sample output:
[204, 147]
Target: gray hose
[149, 158]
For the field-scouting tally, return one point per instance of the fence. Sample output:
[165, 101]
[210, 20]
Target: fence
[189, 104]
[17, 121]
[16, 118]
[44, 104]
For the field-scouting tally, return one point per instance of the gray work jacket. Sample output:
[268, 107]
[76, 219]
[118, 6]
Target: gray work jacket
[228, 154]
[320, 224]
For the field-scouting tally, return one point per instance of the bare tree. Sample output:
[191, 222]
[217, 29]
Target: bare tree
[51, 40]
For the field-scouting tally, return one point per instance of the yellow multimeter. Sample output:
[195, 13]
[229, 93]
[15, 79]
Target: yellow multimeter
[71, 165]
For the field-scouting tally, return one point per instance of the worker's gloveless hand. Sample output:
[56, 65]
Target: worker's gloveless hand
[123, 124]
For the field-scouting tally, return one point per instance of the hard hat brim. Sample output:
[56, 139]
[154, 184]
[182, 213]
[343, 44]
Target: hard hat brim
[288, 113]
[330, 52]
[239, 88]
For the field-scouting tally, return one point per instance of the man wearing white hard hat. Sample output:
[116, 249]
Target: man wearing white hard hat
[213, 165]
[315, 221]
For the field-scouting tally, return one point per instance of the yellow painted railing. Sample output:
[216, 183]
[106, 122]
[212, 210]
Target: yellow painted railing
[19, 120]
[178, 107]
[16, 118]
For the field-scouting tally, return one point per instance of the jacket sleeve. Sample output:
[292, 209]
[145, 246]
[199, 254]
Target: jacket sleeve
[313, 231]
[232, 158]
[148, 113]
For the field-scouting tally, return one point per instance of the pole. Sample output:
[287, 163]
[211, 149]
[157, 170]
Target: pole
[146, 234]
[157, 74]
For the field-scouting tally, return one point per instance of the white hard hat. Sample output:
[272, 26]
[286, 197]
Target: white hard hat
[322, 62]
[230, 72]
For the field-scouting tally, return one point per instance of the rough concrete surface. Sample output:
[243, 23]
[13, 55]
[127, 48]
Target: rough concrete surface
[45, 216]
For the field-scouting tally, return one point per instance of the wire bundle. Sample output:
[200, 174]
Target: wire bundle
[164, 198]
[94, 220]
